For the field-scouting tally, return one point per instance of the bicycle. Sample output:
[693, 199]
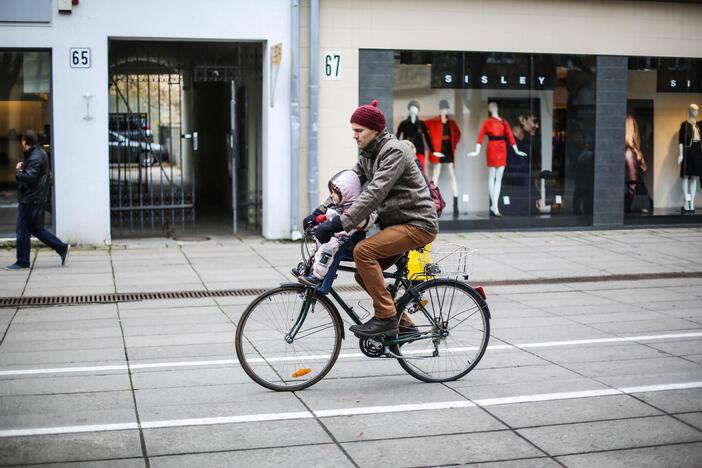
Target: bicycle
[289, 337]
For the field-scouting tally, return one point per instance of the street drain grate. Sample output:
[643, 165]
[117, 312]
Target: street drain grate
[154, 296]
[124, 297]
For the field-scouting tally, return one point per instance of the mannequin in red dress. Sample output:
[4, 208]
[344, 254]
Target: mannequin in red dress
[499, 132]
[444, 134]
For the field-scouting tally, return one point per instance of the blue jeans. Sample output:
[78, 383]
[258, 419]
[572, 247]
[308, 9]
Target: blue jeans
[345, 252]
[30, 221]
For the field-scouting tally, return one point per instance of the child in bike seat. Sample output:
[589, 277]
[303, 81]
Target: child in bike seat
[344, 188]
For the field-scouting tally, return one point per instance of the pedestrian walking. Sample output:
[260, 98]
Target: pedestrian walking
[33, 175]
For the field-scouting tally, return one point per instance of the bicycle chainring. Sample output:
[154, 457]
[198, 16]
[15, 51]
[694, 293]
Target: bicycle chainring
[371, 347]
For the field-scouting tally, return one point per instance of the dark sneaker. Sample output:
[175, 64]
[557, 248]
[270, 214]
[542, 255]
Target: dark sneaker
[299, 270]
[310, 280]
[64, 255]
[376, 327]
[16, 266]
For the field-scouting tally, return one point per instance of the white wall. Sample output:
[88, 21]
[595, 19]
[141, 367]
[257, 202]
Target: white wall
[80, 147]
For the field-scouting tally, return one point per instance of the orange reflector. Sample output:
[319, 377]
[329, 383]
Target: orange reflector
[301, 372]
[425, 302]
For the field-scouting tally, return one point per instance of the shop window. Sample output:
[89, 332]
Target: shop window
[25, 78]
[508, 137]
[662, 154]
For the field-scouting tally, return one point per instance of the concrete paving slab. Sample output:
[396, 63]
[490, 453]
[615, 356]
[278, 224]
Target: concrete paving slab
[305, 456]
[180, 339]
[464, 448]
[411, 424]
[66, 313]
[670, 456]
[14, 345]
[212, 401]
[572, 410]
[171, 329]
[610, 435]
[55, 410]
[543, 462]
[69, 447]
[674, 401]
[679, 347]
[239, 436]
[650, 367]
[75, 333]
[474, 388]
[555, 333]
[77, 383]
[189, 377]
[56, 325]
[601, 352]
[31, 359]
[646, 326]
[694, 419]
[361, 392]
[181, 352]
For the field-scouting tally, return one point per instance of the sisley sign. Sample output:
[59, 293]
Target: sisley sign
[476, 70]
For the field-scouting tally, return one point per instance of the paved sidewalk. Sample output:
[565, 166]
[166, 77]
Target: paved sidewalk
[605, 373]
[225, 263]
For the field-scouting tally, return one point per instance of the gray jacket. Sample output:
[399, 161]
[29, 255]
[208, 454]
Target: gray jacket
[395, 187]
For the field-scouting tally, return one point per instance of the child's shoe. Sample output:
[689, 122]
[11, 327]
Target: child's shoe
[310, 280]
[299, 270]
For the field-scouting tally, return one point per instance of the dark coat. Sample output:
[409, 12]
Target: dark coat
[33, 179]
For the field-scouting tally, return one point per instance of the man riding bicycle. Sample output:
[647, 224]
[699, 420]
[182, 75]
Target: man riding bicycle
[396, 188]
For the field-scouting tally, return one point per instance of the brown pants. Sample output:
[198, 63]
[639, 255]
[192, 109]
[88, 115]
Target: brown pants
[378, 252]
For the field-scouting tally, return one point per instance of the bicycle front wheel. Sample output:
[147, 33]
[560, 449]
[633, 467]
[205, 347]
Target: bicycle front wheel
[453, 329]
[277, 361]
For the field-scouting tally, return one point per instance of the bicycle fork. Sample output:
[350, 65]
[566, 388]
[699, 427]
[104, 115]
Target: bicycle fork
[307, 305]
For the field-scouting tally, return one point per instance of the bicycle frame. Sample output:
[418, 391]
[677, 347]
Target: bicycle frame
[400, 277]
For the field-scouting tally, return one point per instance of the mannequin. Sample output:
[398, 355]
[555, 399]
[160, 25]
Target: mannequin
[445, 135]
[690, 157]
[498, 130]
[414, 130]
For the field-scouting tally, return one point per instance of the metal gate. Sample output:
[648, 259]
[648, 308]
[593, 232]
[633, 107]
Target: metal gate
[153, 140]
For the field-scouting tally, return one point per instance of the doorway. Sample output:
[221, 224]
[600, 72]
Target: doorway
[184, 136]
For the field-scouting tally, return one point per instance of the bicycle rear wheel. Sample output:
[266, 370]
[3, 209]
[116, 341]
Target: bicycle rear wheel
[452, 343]
[274, 362]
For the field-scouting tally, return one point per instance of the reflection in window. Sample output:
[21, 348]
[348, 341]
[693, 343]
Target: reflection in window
[25, 79]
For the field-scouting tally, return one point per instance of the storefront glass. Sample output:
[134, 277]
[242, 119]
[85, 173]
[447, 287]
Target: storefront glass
[662, 154]
[25, 103]
[509, 137]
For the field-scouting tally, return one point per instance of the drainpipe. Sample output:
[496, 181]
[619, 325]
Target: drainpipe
[295, 233]
[314, 103]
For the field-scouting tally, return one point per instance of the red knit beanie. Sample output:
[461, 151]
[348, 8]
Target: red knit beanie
[369, 117]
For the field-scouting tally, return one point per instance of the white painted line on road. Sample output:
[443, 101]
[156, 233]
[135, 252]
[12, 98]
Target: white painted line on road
[226, 420]
[548, 397]
[58, 370]
[220, 362]
[394, 408]
[68, 429]
[248, 418]
[660, 388]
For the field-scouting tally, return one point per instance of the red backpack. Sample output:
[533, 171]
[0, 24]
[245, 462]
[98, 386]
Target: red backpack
[434, 191]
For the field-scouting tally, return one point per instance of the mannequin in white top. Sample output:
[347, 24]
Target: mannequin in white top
[496, 154]
[689, 182]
